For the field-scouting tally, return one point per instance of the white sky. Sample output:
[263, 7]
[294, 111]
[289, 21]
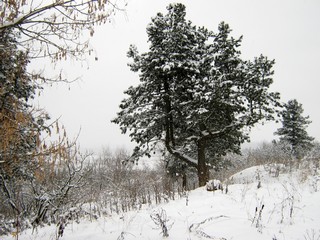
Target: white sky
[287, 31]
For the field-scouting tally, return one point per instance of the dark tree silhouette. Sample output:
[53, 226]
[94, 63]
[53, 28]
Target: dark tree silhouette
[196, 96]
[293, 130]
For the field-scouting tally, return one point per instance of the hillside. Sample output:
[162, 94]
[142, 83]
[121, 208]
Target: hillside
[283, 207]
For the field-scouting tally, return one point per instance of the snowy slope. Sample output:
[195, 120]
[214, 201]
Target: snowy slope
[283, 208]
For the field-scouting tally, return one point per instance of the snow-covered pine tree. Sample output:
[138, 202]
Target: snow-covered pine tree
[196, 95]
[293, 130]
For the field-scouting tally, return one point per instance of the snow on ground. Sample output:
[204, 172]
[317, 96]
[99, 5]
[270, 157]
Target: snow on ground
[286, 207]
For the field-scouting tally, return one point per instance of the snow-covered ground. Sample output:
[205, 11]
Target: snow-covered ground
[282, 208]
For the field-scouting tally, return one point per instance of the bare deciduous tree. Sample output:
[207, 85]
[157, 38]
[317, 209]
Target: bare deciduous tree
[55, 28]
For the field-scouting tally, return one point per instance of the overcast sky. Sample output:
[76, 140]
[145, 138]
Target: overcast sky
[287, 31]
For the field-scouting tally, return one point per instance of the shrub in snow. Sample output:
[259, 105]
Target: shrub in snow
[72, 214]
[312, 235]
[213, 185]
[161, 220]
[256, 221]
[275, 169]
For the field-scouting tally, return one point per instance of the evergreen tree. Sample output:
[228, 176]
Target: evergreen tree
[293, 130]
[18, 127]
[196, 95]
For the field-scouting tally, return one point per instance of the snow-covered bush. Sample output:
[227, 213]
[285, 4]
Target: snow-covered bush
[118, 185]
[43, 199]
[213, 185]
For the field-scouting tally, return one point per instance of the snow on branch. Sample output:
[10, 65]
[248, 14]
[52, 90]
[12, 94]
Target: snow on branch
[187, 158]
[211, 134]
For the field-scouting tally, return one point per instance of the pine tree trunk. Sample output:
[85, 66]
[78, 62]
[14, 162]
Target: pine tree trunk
[203, 171]
[184, 181]
[169, 118]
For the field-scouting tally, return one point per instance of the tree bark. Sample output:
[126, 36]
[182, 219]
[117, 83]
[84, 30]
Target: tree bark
[184, 181]
[168, 112]
[203, 171]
